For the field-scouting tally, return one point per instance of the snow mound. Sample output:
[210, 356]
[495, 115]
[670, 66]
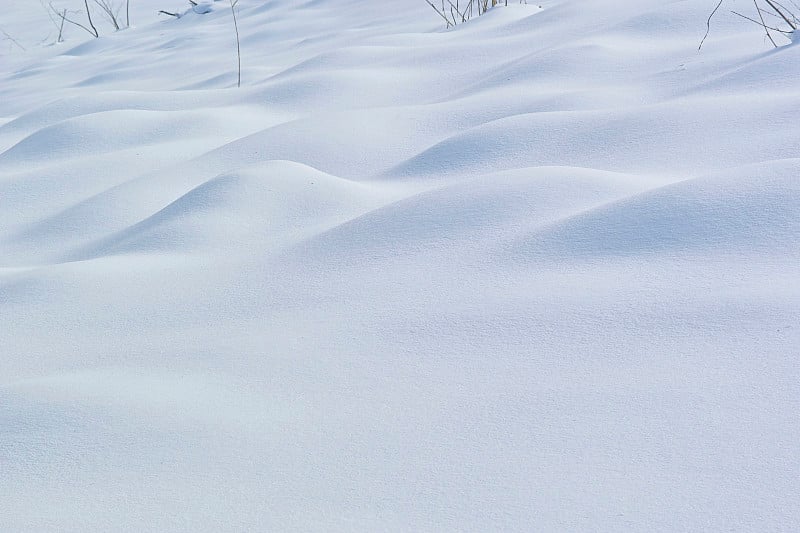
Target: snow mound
[742, 212]
[263, 205]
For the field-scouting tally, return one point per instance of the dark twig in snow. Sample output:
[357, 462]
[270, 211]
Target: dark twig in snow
[708, 24]
[779, 12]
[447, 20]
[238, 47]
[765, 25]
[757, 22]
[108, 11]
[10, 38]
[89, 16]
[63, 16]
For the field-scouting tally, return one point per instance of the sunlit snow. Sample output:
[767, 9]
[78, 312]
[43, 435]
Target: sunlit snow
[537, 272]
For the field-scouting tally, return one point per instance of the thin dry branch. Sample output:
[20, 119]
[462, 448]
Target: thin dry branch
[63, 16]
[773, 10]
[108, 10]
[453, 14]
[238, 46]
[779, 12]
[61, 28]
[447, 20]
[764, 24]
[10, 38]
[708, 24]
[757, 22]
[460, 14]
[89, 17]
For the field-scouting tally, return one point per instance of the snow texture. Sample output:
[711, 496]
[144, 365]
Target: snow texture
[535, 273]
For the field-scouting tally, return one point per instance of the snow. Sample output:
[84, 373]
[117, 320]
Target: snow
[538, 271]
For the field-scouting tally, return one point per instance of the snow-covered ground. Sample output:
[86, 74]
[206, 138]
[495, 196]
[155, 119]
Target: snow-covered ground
[536, 273]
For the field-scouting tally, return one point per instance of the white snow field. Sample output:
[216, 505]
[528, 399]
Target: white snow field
[540, 272]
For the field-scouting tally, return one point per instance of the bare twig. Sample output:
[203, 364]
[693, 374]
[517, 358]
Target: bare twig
[176, 15]
[108, 10]
[49, 9]
[447, 20]
[460, 14]
[61, 27]
[444, 10]
[238, 47]
[63, 17]
[708, 24]
[779, 12]
[766, 30]
[89, 17]
[757, 22]
[10, 38]
[453, 14]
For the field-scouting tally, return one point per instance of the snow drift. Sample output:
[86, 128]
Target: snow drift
[536, 272]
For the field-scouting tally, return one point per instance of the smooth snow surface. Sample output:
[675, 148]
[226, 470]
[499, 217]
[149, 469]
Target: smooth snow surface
[537, 273]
